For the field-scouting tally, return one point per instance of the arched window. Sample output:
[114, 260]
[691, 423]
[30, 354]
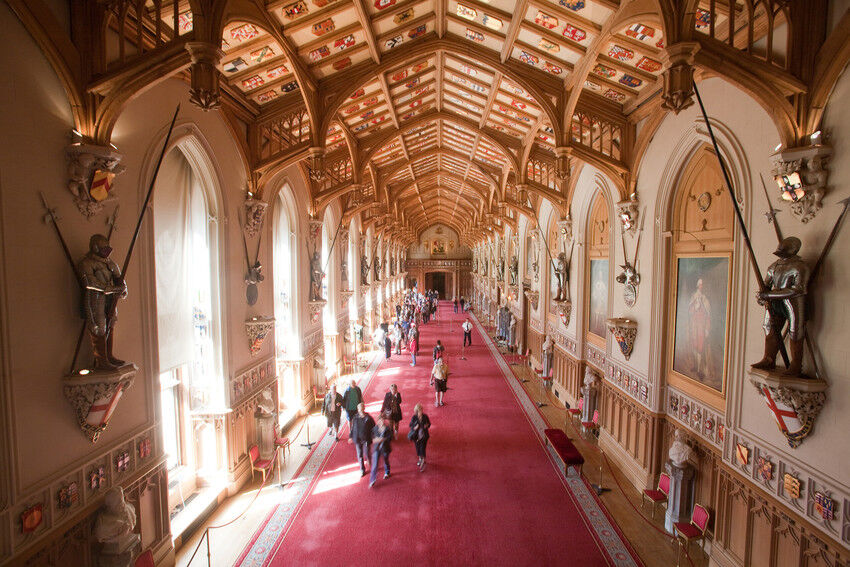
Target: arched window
[285, 259]
[598, 237]
[703, 238]
[188, 321]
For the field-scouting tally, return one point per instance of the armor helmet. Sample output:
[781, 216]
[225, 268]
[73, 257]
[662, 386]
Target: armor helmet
[99, 245]
[788, 247]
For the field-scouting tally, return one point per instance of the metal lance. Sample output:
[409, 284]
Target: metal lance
[145, 206]
[743, 227]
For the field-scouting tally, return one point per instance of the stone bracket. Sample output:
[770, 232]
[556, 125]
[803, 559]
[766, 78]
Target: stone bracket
[257, 329]
[624, 331]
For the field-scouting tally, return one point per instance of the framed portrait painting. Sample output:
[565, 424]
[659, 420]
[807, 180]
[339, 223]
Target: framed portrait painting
[598, 297]
[700, 324]
[438, 247]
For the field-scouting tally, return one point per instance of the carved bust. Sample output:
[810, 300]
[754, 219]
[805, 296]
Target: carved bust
[115, 523]
[680, 451]
[590, 377]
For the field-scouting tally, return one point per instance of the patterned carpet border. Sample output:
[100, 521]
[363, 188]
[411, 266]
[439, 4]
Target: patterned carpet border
[609, 537]
[260, 549]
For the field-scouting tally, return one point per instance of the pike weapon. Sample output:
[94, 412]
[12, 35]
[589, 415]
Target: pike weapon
[750, 252]
[148, 198]
[112, 221]
[50, 216]
[771, 212]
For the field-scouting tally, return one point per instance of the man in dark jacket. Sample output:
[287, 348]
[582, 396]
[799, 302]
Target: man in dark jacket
[361, 435]
[382, 437]
[351, 399]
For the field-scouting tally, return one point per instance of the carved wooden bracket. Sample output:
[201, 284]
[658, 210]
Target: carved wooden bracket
[258, 329]
[204, 91]
[624, 331]
[565, 310]
[810, 162]
[678, 76]
[795, 402]
[85, 161]
[95, 396]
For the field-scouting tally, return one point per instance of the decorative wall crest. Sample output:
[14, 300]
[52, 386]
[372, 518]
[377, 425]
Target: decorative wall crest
[565, 310]
[627, 213]
[810, 163]
[624, 332]
[255, 213]
[257, 329]
[316, 309]
[794, 402]
[533, 297]
[91, 170]
[95, 395]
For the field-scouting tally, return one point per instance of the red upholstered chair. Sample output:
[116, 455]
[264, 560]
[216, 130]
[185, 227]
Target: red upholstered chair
[659, 495]
[257, 464]
[523, 358]
[592, 426]
[693, 530]
[282, 444]
[145, 560]
[349, 365]
[576, 411]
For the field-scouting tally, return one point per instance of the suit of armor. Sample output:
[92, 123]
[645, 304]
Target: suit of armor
[563, 274]
[103, 285]
[784, 299]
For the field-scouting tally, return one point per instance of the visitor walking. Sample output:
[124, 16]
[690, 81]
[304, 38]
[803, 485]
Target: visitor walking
[413, 344]
[440, 380]
[361, 435]
[351, 398]
[392, 406]
[332, 410]
[419, 433]
[467, 333]
[382, 436]
[454, 303]
[388, 346]
[439, 350]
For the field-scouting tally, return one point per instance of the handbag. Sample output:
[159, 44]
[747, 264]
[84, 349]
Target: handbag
[411, 435]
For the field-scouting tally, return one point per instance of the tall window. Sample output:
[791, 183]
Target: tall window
[285, 260]
[187, 324]
[703, 238]
[598, 236]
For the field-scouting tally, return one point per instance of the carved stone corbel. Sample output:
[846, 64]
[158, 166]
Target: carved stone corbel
[624, 331]
[678, 60]
[533, 297]
[565, 230]
[84, 161]
[565, 310]
[95, 396]
[627, 212]
[255, 212]
[794, 402]
[316, 309]
[204, 90]
[257, 329]
[810, 162]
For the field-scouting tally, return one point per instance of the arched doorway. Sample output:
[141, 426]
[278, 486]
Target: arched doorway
[442, 282]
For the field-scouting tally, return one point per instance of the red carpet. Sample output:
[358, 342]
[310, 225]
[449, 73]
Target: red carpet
[490, 494]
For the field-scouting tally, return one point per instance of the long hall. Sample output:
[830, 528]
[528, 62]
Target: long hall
[211, 211]
[491, 493]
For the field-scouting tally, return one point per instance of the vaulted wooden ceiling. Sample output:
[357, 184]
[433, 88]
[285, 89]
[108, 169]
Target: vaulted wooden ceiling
[465, 112]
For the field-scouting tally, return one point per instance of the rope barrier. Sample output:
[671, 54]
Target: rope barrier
[241, 514]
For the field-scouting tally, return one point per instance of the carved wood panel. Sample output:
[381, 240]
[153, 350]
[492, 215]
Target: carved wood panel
[598, 228]
[703, 218]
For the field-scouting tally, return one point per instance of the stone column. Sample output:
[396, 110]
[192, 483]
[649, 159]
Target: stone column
[680, 500]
